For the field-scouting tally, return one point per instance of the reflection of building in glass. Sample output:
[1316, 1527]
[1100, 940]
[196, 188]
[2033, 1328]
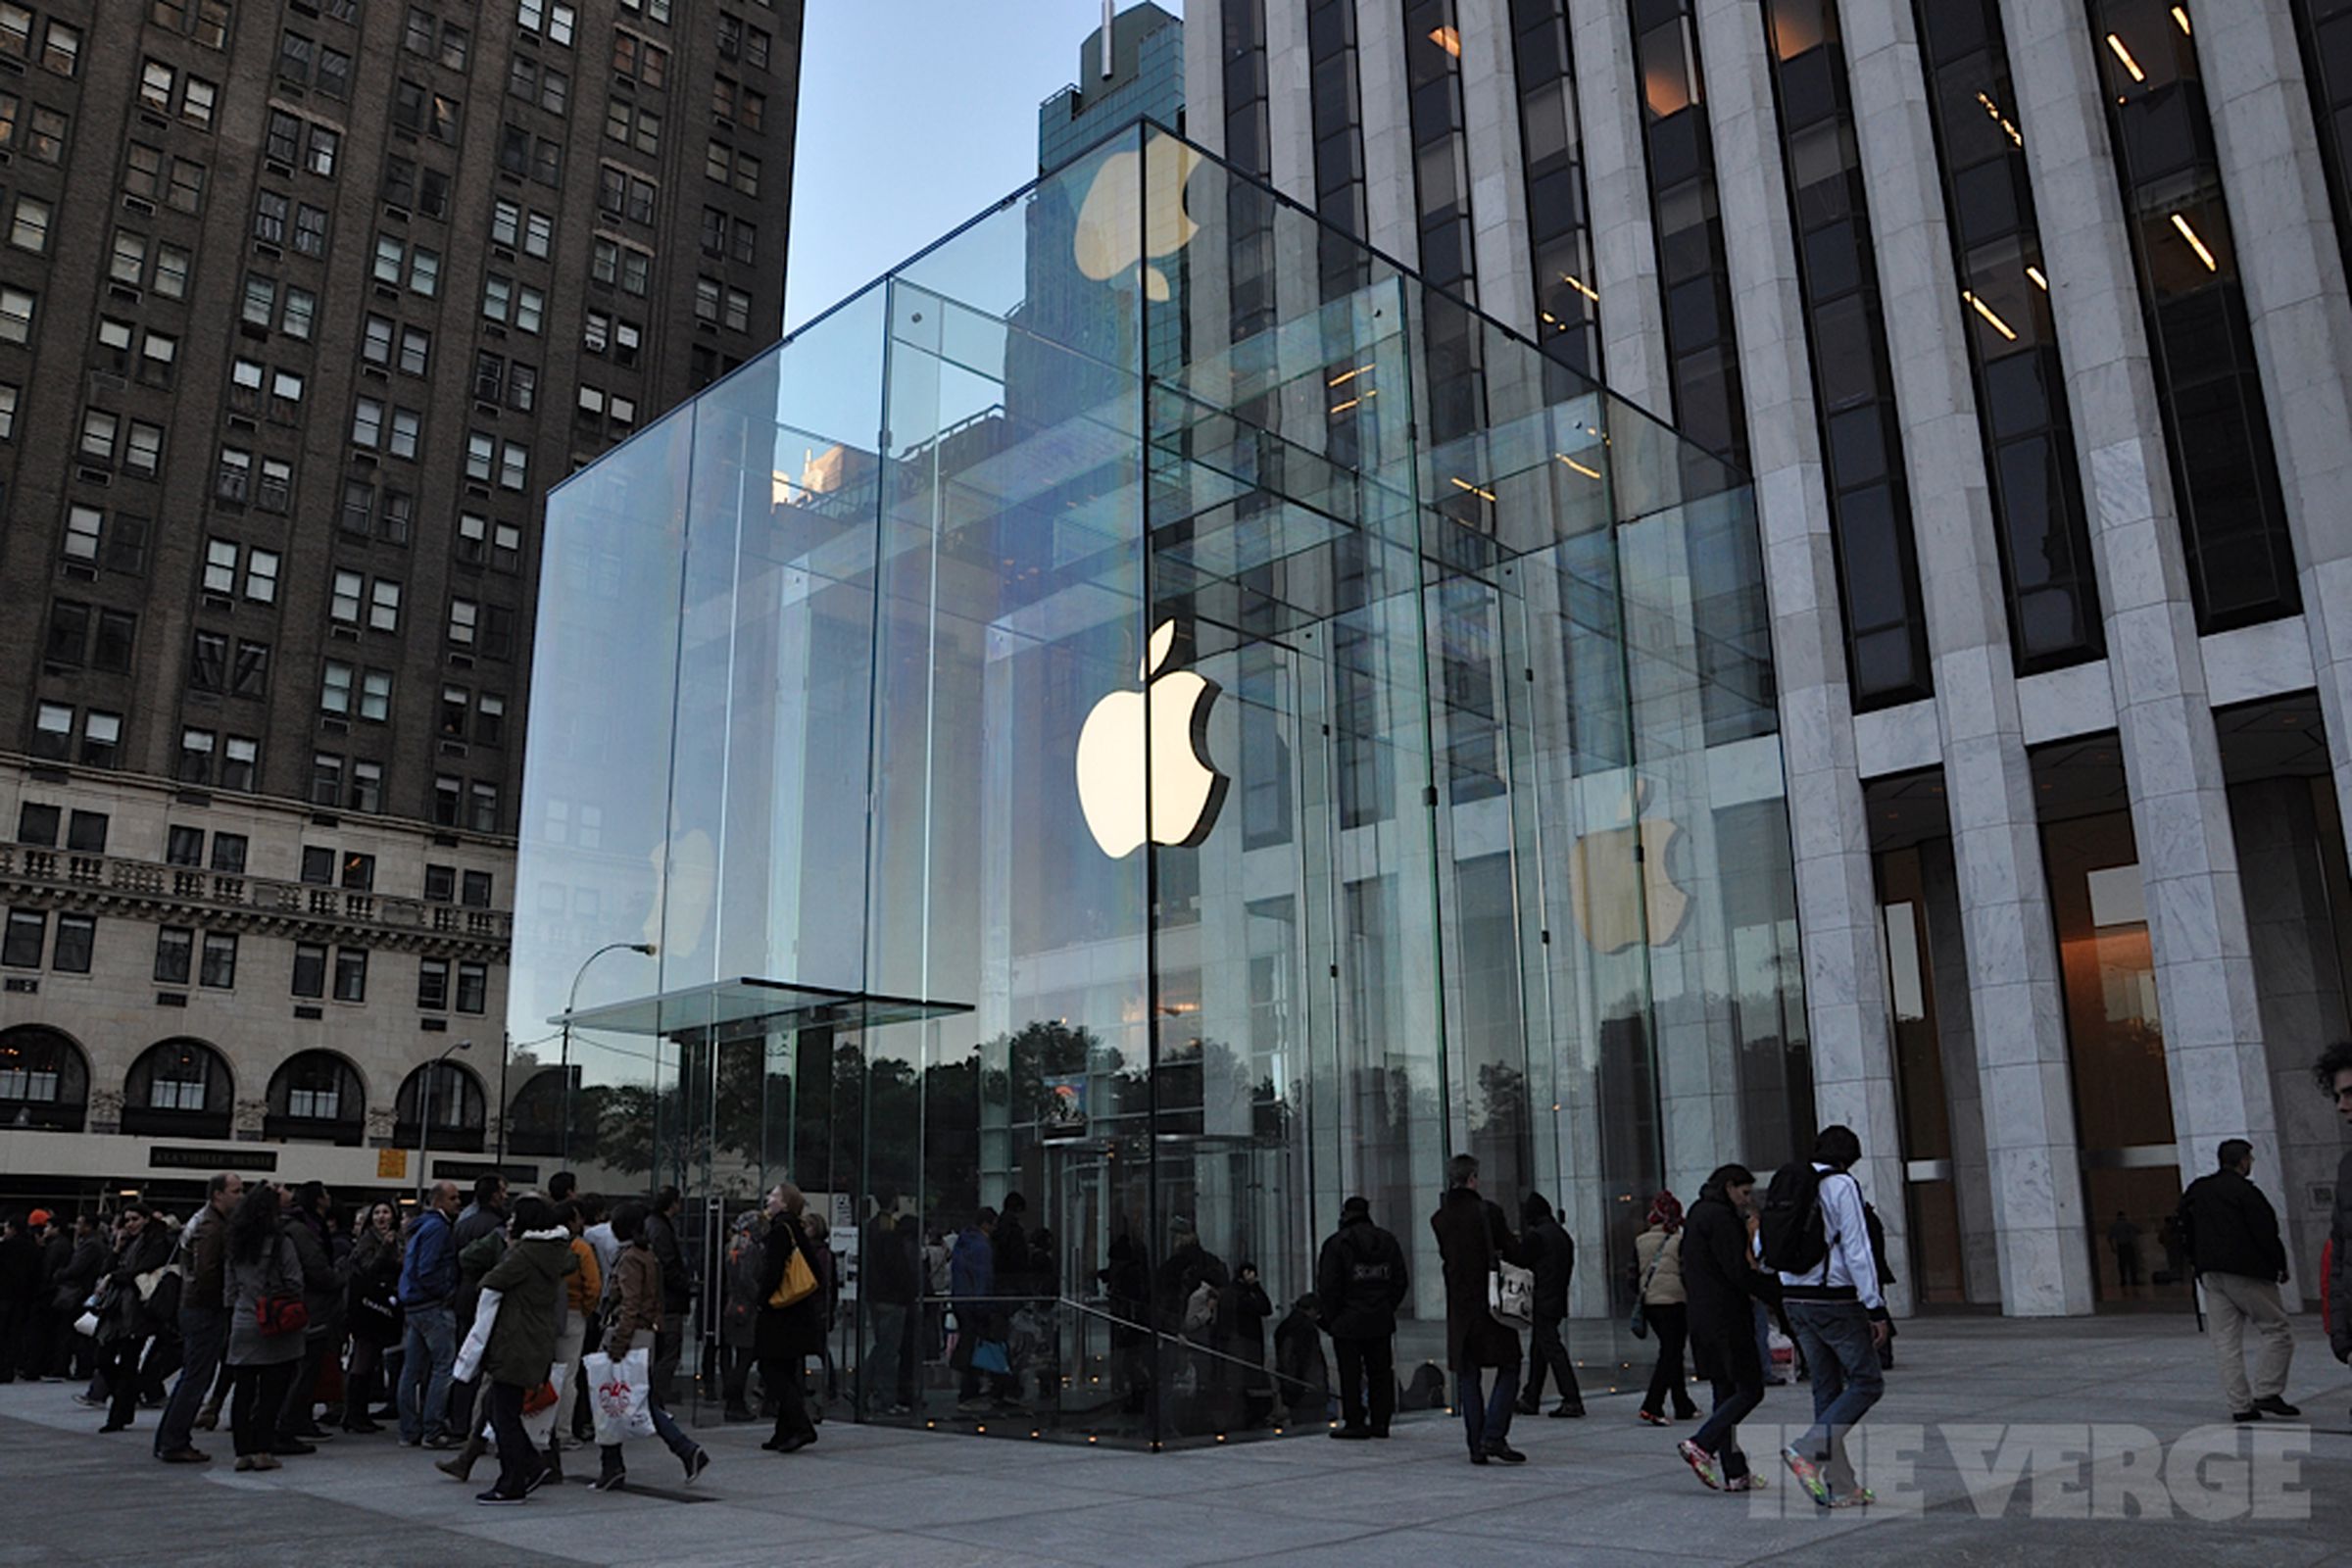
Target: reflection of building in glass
[1139, 75]
[1070, 733]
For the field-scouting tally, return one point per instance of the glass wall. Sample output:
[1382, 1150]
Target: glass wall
[1078, 750]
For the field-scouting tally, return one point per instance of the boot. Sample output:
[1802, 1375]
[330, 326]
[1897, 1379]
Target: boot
[555, 1461]
[612, 1475]
[459, 1466]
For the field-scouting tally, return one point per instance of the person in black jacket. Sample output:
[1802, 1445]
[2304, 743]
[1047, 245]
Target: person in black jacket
[785, 1337]
[1551, 1254]
[1242, 1308]
[1360, 1281]
[1720, 1285]
[2233, 1241]
[1473, 1239]
[130, 1319]
[677, 1290]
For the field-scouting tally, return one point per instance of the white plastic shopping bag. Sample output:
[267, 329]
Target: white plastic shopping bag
[618, 1392]
[540, 1423]
[468, 1364]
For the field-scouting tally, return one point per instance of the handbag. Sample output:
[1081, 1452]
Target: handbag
[281, 1314]
[798, 1282]
[1511, 1295]
[989, 1357]
[1637, 1323]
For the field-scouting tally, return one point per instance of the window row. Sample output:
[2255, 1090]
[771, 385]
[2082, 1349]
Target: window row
[65, 733]
[53, 45]
[435, 38]
[165, 89]
[37, 824]
[108, 438]
[39, 133]
[229, 668]
[240, 759]
[27, 939]
[304, 61]
[184, 846]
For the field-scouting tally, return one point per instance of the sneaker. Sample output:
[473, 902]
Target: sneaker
[244, 1461]
[1351, 1433]
[265, 1461]
[696, 1464]
[495, 1498]
[1750, 1482]
[1808, 1476]
[540, 1478]
[1500, 1450]
[1859, 1497]
[186, 1457]
[88, 1404]
[2274, 1404]
[610, 1481]
[1702, 1463]
[442, 1440]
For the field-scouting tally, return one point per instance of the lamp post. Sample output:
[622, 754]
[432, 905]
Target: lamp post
[424, 1116]
[572, 1002]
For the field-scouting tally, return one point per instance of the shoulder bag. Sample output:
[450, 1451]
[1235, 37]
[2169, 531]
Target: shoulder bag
[1637, 1323]
[800, 1280]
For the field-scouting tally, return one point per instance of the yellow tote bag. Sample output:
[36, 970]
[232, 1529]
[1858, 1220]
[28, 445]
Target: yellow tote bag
[799, 1281]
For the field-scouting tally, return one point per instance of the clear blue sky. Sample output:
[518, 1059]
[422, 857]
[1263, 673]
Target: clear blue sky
[914, 116]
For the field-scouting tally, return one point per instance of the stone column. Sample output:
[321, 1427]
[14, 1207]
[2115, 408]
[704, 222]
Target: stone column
[1204, 76]
[1390, 214]
[1506, 288]
[2172, 761]
[2293, 268]
[1289, 104]
[2013, 983]
[1963, 1081]
[1844, 956]
[1625, 251]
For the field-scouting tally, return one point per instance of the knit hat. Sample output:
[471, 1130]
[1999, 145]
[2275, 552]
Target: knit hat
[1666, 1211]
[37, 1218]
[1355, 1208]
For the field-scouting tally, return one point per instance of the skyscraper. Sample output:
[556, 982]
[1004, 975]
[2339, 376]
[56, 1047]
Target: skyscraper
[306, 307]
[2030, 321]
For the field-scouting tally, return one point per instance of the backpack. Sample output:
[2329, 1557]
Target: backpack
[1792, 1232]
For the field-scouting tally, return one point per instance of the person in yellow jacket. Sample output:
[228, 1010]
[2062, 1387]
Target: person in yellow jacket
[583, 1289]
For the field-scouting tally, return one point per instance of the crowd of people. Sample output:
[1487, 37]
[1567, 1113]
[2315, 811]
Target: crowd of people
[300, 1322]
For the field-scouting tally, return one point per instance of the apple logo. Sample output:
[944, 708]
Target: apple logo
[1619, 886]
[1172, 728]
[1116, 237]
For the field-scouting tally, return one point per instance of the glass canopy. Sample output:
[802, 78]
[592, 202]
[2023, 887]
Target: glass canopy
[1149, 720]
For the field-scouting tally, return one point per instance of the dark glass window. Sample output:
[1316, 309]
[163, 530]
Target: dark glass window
[37, 824]
[2242, 565]
[351, 974]
[319, 864]
[1567, 304]
[1335, 106]
[175, 951]
[2038, 517]
[184, 846]
[76, 934]
[1433, 49]
[21, 945]
[1870, 511]
[310, 969]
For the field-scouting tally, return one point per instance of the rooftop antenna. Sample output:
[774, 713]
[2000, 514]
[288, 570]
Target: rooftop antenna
[1109, 6]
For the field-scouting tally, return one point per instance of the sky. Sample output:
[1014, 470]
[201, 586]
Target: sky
[914, 116]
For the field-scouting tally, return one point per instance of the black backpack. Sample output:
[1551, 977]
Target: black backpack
[1792, 1232]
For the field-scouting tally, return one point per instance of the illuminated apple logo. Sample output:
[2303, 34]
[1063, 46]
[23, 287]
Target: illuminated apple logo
[1172, 728]
[1619, 886]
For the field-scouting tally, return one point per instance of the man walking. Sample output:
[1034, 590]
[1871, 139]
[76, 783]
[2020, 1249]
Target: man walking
[1360, 1281]
[1472, 1243]
[2123, 1239]
[1817, 1239]
[2232, 1242]
[1551, 1254]
[203, 1319]
[429, 1284]
[677, 1292]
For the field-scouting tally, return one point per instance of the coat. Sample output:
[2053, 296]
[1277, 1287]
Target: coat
[471, 1226]
[785, 1332]
[322, 1281]
[246, 1284]
[1551, 1253]
[1722, 1285]
[1665, 1284]
[1471, 1238]
[2339, 1319]
[1360, 1280]
[636, 1300]
[677, 1280]
[1241, 1313]
[529, 1280]
[2230, 1228]
[134, 1314]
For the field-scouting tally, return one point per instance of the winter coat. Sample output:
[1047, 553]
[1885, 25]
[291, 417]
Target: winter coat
[134, 1314]
[1665, 1287]
[1127, 1290]
[529, 1280]
[584, 1287]
[1552, 1255]
[321, 1282]
[1471, 1237]
[637, 1299]
[472, 1225]
[1011, 1244]
[739, 1315]
[1722, 1286]
[677, 1280]
[1241, 1313]
[1360, 1280]
[1179, 1278]
[2230, 1228]
[87, 1267]
[20, 1269]
[972, 1281]
[246, 1284]
[785, 1332]
[428, 1272]
[2339, 1320]
[1305, 1382]
[894, 1268]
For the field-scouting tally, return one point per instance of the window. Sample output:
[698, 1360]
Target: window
[728, 167]
[334, 688]
[228, 854]
[610, 262]
[632, 125]
[29, 230]
[61, 50]
[432, 984]
[98, 429]
[367, 423]
[319, 866]
[261, 576]
[384, 605]
[8, 411]
[375, 695]
[76, 934]
[514, 465]
[481, 806]
[640, 59]
[310, 969]
[551, 18]
[241, 759]
[183, 845]
[351, 974]
[208, 664]
[407, 184]
[481, 455]
[15, 314]
[440, 881]
[301, 305]
[118, 542]
[53, 731]
[270, 217]
[416, 350]
[473, 987]
[196, 746]
[326, 778]
[334, 74]
[477, 895]
[175, 951]
[343, 601]
[37, 824]
[462, 613]
[366, 786]
[310, 230]
[219, 967]
[185, 193]
[323, 145]
[252, 672]
[27, 933]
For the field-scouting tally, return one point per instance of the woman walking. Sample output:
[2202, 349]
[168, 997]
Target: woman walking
[263, 1287]
[1658, 1255]
[530, 1278]
[1725, 1289]
[637, 1311]
[129, 1320]
[787, 1336]
[374, 1312]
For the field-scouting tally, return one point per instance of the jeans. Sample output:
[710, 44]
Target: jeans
[202, 1336]
[665, 1427]
[1671, 1323]
[1548, 1352]
[1738, 1383]
[429, 1349]
[881, 1369]
[1487, 1423]
[1836, 1339]
[1366, 1367]
[255, 1395]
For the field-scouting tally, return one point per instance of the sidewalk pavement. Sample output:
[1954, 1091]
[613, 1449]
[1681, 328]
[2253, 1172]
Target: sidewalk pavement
[2078, 1441]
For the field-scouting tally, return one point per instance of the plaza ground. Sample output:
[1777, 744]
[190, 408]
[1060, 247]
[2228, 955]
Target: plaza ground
[1971, 1397]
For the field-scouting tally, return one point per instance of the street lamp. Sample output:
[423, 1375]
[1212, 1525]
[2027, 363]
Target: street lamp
[424, 1117]
[572, 1002]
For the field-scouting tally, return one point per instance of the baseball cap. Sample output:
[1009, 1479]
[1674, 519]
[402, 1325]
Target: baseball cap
[37, 1218]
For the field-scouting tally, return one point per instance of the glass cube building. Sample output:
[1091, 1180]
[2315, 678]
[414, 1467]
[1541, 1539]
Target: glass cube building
[1151, 709]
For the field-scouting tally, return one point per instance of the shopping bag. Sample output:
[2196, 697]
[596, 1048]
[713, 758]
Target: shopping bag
[1512, 1296]
[989, 1357]
[617, 1393]
[539, 1406]
[468, 1364]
